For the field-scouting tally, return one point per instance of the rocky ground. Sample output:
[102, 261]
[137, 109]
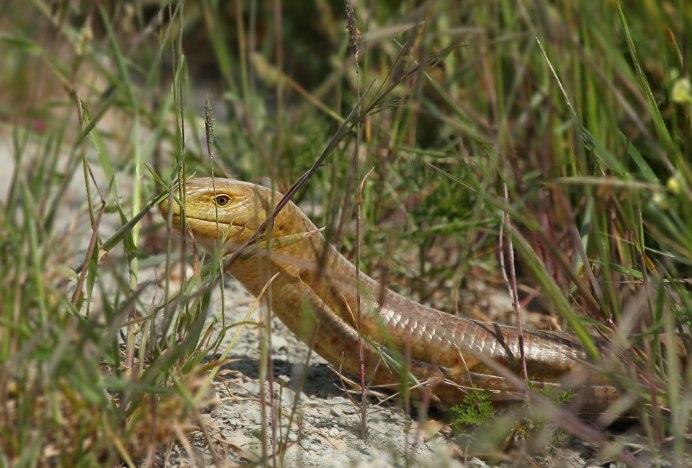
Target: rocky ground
[326, 428]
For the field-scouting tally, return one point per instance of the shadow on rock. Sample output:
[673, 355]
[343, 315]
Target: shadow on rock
[319, 381]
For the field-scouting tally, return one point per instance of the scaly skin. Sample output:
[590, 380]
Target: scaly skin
[447, 353]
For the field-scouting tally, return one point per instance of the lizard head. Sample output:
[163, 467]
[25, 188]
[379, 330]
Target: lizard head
[227, 212]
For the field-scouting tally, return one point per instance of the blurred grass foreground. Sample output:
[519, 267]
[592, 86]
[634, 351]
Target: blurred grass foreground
[547, 140]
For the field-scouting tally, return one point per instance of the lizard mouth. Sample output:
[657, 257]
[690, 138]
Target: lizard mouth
[212, 227]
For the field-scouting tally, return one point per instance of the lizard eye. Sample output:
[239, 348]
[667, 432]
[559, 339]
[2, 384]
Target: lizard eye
[222, 200]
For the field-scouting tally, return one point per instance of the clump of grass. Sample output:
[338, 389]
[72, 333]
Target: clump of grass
[86, 377]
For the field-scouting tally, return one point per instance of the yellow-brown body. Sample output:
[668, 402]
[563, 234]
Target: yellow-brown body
[314, 292]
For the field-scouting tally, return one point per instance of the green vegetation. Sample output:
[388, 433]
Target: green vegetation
[475, 410]
[559, 132]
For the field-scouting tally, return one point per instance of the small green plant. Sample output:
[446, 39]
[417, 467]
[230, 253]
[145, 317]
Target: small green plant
[559, 397]
[535, 424]
[474, 411]
[477, 410]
